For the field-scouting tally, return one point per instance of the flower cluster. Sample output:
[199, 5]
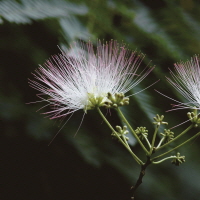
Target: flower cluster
[87, 77]
[186, 79]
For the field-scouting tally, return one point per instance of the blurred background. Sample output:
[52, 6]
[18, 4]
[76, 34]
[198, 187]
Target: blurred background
[91, 165]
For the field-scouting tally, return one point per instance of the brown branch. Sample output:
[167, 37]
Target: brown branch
[142, 173]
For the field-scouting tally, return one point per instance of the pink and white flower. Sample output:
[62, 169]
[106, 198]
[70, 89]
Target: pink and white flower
[186, 80]
[82, 77]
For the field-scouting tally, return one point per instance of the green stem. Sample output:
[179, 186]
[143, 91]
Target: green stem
[158, 162]
[185, 131]
[161, 141]
[134, 133]
[125, 141]
[153, 140]
[116, 134]
[146, 139]
[176, 146]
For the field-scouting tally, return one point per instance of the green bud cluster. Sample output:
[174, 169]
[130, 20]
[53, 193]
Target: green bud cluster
[178, 160]
[116, 100]
[94, 102]
[142, 132]
[159, 120]
[168, 135]
[122, 131]
[194, 117]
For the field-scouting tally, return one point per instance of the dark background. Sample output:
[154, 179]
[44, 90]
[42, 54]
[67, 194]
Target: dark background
[91, 165]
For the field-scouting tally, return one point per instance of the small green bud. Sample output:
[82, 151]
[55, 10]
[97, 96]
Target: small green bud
[178, 160]
[168, 135]
[194, 117]
[159, 120]
[116, 100]
[94, 102]
[121, 132]
[142, 132]
[119, 128]
[115, 105]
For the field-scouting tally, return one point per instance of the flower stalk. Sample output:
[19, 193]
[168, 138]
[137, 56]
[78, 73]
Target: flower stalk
[160, 161]
[132, 130]
[125, 144]
[176, 138]
[177, 146]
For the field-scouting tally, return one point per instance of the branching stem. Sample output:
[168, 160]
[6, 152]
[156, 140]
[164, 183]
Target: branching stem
[161, 141]
[119, 138]
[177, 146]
[134, 133]
[178, 136]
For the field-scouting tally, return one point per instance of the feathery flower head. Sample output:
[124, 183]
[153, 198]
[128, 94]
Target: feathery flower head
[187, 82]
[84, 77]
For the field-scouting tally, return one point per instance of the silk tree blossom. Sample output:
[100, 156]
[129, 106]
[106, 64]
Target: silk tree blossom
[82, 78]
[186, 80]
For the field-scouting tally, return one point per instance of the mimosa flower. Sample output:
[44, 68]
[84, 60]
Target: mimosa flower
[186, 80]
[83, 77]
